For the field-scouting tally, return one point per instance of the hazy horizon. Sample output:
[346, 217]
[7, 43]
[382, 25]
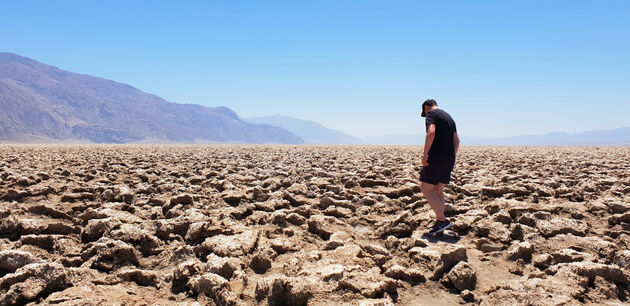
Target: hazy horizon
[500, 69]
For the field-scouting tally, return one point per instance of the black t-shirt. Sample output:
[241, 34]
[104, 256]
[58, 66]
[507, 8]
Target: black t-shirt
[443, 145]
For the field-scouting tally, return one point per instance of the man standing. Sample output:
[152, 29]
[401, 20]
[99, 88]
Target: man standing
[440, 147]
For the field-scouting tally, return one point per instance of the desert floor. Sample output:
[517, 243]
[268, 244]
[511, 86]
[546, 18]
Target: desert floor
[316, 225]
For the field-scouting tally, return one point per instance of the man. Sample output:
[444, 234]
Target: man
[440, 147]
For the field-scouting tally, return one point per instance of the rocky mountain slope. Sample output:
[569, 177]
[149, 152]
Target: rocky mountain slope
[39, 102]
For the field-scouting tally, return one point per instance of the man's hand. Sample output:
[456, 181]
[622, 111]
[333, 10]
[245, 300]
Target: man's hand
[425, 163]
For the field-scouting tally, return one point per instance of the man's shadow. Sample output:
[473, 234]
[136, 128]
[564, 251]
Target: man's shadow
[444, 237]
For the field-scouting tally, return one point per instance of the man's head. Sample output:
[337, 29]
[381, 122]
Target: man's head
[427, 106]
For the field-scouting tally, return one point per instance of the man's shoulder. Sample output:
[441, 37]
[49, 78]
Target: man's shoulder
[438, 112]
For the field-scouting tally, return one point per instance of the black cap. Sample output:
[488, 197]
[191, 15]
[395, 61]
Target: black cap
[429, 102]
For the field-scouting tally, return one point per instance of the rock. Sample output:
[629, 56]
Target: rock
[570, 255]
[467, 296]
[147, 243]
[223, 266]
[374, 249]
[521, 250]
[494, 231]
[213, 286]
[373, 183]
[296, 200]
[337, 239]
[43, 209]
[339, 212]
[40, 191]
[46, 242]
[330, 272]
[195, 180]
[326, 202]
[233, 197]
[11, 260]
[295, 219]
[537, 291]
[13, 195]
[279, 218]
[410, 275]
[622, 258]
[590, 270]
[127, 197]
[517, 232]
[96, 228]
[620, 218]
[140, 277]
[284, 291]
[435, 260]
[183, 199]
[603, 290]
[370, 284]
[386, 301]
[553, 227]
[103, 213]
[263, 287]
[395, 193]
[60, 227]
[398, 227]
[31, 281]
[79, 196]
[485, 245]
[542, 261]
[182, 253]
[232, 246]
[282, 246]
[320, 226]
[262, 260]
[107, 254]
[463, 276]
[618, 208]
[196, 232]
[108, 196]
[184, 271]
[502, 217]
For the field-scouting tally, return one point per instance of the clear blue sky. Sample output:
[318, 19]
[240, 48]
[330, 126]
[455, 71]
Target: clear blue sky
[501, 68]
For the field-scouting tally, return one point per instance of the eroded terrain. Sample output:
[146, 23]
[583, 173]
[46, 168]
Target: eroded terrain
[293, 225]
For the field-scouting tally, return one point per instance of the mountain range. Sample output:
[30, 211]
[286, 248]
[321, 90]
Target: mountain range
[312, 132]
[42, 103]
[620, 136]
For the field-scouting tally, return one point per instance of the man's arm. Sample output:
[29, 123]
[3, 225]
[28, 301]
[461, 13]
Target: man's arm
[456, 142]
[428, 141]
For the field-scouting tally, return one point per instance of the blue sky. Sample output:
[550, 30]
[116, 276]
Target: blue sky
[501, 68]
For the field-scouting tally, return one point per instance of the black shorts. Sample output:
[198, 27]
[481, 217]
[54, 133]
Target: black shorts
[438, 171]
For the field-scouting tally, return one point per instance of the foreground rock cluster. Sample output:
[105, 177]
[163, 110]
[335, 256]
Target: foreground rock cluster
[297, 225]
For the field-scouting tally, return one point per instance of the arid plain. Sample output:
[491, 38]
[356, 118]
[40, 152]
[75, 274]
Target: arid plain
[316, 225]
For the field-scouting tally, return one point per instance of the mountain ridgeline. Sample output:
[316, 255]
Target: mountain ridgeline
[312, 132]
[42, 103]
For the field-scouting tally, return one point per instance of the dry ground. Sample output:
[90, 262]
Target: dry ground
[323, 225]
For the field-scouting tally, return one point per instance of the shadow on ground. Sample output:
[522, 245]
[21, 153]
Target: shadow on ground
[449, 238]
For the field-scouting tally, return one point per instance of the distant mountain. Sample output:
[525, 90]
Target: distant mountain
[42, 103]
[620, 136]
[311, 132]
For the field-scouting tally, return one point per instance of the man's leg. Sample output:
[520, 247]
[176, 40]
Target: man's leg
[430, 191]
[440, 192]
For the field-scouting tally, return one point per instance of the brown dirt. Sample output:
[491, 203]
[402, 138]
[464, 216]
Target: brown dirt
[317, 225]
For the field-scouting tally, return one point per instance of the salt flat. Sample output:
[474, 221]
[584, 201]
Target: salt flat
[277, 225]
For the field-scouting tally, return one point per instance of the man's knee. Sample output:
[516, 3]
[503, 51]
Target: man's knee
[427, 188]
